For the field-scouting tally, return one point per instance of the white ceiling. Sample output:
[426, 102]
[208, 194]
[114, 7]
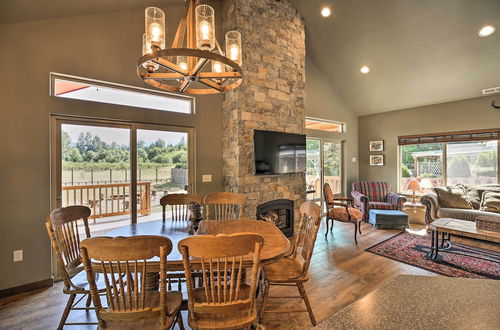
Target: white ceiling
[420, 51]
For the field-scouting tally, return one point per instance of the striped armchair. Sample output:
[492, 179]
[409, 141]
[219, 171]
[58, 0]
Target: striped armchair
[375, 195]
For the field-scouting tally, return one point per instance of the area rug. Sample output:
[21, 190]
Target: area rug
[459, 261]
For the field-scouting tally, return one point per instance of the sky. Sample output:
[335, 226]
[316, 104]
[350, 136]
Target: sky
[122, 135]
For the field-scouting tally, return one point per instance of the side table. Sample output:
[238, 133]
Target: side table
[416, 213]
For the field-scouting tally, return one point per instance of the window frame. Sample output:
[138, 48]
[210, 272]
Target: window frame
[54, 75]
[444, 163]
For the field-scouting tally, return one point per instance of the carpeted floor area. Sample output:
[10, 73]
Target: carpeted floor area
[458, 261]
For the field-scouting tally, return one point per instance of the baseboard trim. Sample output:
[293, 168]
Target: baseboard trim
[26, 288]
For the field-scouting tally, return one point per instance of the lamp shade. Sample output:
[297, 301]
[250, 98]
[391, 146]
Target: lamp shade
[413, 185]
[426, 184]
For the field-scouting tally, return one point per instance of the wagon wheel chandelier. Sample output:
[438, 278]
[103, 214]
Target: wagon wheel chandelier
[183, 68]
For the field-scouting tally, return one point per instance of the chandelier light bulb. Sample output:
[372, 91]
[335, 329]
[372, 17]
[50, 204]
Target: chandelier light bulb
[146, 49]
[182, 62]
[155, 27]
[205, 30]
[205, 27]
[217, 67]
[234, 53]
[155, 32]
[233, 46]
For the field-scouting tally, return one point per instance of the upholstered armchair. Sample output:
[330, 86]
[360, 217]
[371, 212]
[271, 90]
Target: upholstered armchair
[375, 195]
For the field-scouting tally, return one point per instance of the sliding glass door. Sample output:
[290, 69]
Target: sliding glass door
[324, 165]
[162, 168]
[119, 170]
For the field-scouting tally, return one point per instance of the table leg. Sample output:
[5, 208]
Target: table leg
[431, 252]
[436, 245]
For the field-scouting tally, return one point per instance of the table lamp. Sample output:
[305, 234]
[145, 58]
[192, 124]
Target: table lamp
[426, 184]
[413, 185]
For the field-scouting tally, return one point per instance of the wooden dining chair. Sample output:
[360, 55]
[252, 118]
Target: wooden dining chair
[224, 300]
[125, 263]
[178, 205]
[63, 230]
[293, 270]
[341, 209]
[225, 205]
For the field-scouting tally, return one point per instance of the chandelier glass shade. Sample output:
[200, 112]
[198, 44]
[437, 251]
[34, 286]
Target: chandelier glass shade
[195, 62]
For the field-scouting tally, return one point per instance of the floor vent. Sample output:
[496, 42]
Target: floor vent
[491, 90]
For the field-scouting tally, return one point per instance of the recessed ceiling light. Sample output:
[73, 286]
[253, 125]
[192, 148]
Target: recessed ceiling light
[486, 31]
[364, 69]
[326, 12]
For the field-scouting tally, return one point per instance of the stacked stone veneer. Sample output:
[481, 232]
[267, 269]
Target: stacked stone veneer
[271, 96]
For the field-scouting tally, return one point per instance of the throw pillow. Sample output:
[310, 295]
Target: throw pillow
[475, 193]
[490, 202]
[452, 197]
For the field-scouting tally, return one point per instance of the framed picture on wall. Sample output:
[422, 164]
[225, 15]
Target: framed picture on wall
[376, 160]
[377, 145]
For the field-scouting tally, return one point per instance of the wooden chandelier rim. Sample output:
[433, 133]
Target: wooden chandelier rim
[164, 57]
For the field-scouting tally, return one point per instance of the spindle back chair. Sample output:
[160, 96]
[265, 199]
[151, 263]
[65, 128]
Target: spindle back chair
[63, 230]
[293, 270]
[125, 263]
[225, 205]
[224, 300]
[178, 205]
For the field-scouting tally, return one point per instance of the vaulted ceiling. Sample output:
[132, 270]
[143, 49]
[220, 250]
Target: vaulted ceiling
[420, 52]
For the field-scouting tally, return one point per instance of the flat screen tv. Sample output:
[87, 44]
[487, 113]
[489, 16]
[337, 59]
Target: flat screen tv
[279, 153]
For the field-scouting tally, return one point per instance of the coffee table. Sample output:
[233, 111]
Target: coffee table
[449, 226]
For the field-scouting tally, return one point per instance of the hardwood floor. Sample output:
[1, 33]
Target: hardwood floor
[340, 274]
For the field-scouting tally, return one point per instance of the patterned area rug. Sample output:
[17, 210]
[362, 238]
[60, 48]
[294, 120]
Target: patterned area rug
[459, 261]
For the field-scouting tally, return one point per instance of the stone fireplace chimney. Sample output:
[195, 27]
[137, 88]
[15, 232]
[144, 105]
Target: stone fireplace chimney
[271, 97]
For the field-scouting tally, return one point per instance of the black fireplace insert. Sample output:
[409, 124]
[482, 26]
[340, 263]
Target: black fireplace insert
[279, 212]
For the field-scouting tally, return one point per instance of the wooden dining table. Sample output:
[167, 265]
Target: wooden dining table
[276, 245]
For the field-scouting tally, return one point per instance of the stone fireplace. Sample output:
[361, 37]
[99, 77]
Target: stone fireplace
[271, 97]
[280, 212]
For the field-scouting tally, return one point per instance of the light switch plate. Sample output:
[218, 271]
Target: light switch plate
[354, 159]
[18, 255]
[206, 178]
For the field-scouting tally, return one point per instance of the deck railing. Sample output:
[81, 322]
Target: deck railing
[106, 200]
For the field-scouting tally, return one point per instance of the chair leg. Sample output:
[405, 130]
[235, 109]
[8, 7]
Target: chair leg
[264, 301]
[356, 232]
[66, 311]
[359, 227]
[89, 301]
[179, 321]
[331, 227]
[326, 231]
[303, 294]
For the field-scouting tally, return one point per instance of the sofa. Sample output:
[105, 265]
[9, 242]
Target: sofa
[464, 202]
[375, 195]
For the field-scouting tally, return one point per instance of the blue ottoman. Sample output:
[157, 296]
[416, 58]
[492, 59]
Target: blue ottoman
[388, 219]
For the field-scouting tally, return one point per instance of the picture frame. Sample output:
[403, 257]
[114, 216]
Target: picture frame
[377, 145]
[376, 160]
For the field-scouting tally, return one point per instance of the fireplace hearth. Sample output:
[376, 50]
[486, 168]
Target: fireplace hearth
[279, 212]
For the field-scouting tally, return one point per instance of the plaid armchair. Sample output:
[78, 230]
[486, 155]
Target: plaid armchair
[375, 195]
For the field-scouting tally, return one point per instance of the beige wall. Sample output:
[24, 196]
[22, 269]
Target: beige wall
[323, 102]
[104, 47]
[445, 117]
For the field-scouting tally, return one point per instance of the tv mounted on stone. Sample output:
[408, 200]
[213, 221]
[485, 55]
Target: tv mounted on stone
[279, 152]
